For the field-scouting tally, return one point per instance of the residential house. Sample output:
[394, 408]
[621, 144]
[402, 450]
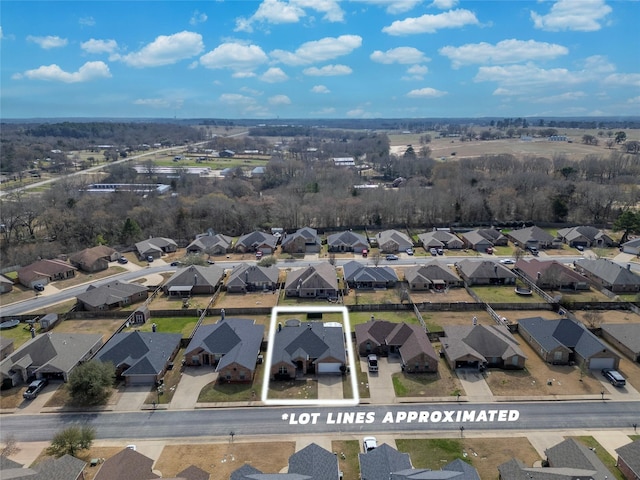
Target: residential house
[632, 247]
[306, 348]
[629, 460]
[6, 285]
[94, 259]
[485, 272]
[481, 346]
[565, 341]
[625, 337]
[155, 247]
[607, 274]
[568, 460]
[50, 355]
[362, 276]
[140, 358]
[193, 473]
[550, 274]
[585, 236]
[257, 242]
[431, 276]
[483, 238]
[6, 347]
[194, 280]
[127, 464]
[214, 244]
[531, 237]
[315, 281]
[411, 342]
[111, 295]
[311, 463]
[304, 240]
[393, 241]
[385, 462]
[231, 345]
[258, 172]
[440, 239]
[347, 241]
[45, 271]
[252, 278]
[64, 468]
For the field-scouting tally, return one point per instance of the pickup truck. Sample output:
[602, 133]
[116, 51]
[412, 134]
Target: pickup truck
[34, 389]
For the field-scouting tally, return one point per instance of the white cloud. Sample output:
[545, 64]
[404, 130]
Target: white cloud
[159, 102]
[236, 56]
[87, 72]
[325, 111]
[416, 72]
[597, 64]
[432, 23]
[87, 21]
[444, 4]
[236, 98]
[317, 51]
[198, 17]
[426, 92]
[279, 100]
[292, 11]
[48, 42]
[402, 55]
[243, 74]
[505, 51]
[274, 75]
[623, 79]
[320, 89]
[327, 71]
[395, 6]
[99, 46]
[579, 15]
[523, 78]
[634, 100]
[563, 97]
[165, 50]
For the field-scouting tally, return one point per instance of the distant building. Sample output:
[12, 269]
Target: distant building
[139, 188]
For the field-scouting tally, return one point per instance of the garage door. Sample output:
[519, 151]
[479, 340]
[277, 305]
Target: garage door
[329, 368]
[600, 363]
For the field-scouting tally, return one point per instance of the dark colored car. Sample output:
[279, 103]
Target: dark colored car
[39, 287]
[34, 389]
[123, 260]
[615, 377]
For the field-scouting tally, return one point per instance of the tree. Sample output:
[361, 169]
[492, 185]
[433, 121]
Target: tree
[621, 137]
[91, 382]
[71, 440]
[267, 261]
[629, 222]
[594, 319]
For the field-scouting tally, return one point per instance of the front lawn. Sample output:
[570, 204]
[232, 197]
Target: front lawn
[347, 452]
[234, 392]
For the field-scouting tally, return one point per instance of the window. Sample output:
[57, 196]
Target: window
[283, 370]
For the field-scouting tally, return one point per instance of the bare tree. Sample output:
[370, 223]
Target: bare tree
[593, 318]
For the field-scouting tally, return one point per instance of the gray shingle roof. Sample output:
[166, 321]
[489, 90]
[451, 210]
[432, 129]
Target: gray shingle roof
[315, 462]
[380, 462]
[210, 241]
[628, 334]
[481, 341]
[610, 272]
[574, 455]
[245, 274]
[146, 353]
[126, 465]
[255, 239]
[531, 234]
[431, 271]
[356, 272]
[320, 276]
[484, 269]
[237, 339]
[630, 453]
[110, 293]
[348, 239]
[196, 275]
[314, 339]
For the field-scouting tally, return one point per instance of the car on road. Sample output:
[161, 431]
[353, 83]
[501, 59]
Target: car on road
[391, 257]
[176, 264]
[409, 251]
[38, 287]
[372, 362]
[34, 389]
[507, 261]
[369, 443]
[123, 260]
[615, 377]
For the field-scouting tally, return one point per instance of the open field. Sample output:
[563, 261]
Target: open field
[437, 320]
[485, 455]
[452, 295]
[220, 459]
[106, 327]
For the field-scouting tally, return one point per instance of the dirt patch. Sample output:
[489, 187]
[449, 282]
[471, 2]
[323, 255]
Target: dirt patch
[11, 397]
[612, 316]
[372, 297]
[436, 321]
[106, 327]
[440, 384]
[246, 300]
[222, 459]
[541, 378]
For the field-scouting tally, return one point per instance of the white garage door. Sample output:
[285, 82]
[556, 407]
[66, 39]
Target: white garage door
[600, 363]
[329, 368]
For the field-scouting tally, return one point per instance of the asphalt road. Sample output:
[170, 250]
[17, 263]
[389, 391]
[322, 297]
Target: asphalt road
[287, 421]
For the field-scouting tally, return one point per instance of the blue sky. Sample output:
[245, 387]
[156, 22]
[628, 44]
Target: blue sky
[319, 58]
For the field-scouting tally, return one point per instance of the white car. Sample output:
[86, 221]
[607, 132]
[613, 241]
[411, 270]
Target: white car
[369, 443]
[507, 261]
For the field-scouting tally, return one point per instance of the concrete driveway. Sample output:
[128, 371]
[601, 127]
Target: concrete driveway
[330, 387]
[381, 384]
[192, 381]
[29, 407]
[132, 398]
[474, 385]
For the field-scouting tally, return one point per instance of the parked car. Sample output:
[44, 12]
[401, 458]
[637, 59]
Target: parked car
[149, 258]
[409, 251]
[38, 287]
[391, 257]
[440, 251]
[533, 250]
[372, 362]
[369, 443]
[580, 248]
[433, 252]
[258, 255]
[365, 253]
[34, 389]
[507, 261]
[615, 377]
[489, 250]
[123, 260]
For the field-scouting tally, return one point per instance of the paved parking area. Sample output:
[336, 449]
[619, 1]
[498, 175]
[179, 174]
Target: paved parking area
[381, 384]
[330, 387]
[29, 407]
[132, 398]
[474, 385]
[192, 381]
